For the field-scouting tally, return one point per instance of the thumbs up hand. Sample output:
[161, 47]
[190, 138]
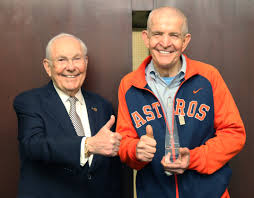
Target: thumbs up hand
[146, 147]
[105, 142]
[149, 131]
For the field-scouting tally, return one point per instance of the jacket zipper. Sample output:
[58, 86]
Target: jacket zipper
[170, 132]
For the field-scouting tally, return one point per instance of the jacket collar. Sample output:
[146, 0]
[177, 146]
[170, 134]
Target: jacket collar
[139, 78]
[53, 105]
[56, 109]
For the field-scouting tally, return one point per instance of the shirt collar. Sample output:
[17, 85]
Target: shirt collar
[64, 97]
[154, 74]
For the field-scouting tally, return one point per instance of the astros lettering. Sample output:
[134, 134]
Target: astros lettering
[190, 109]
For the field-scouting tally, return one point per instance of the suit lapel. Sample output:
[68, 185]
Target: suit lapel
[92, 111]
[56, 109]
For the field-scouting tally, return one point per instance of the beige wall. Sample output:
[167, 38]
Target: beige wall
[139, 50]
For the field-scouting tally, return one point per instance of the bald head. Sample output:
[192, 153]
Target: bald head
[168, 12]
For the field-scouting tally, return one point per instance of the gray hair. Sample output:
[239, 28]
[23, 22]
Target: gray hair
[177, 13]
[48, 48]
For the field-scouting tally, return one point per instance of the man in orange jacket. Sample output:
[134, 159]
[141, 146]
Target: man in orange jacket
[172, 103]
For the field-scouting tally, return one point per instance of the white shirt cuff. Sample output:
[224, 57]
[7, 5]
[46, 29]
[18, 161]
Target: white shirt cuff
[83, 159]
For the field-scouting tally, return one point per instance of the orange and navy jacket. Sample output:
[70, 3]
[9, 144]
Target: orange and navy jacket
[213, 131]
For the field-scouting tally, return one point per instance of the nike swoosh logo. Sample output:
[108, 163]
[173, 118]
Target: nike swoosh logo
[196, 91]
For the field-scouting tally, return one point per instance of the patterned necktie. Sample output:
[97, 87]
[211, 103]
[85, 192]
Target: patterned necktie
[75, 118]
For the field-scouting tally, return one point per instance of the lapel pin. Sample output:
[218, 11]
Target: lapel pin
[94, 109]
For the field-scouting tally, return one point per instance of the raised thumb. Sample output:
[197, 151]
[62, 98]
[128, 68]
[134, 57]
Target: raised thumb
[149, 131]
[110, 123]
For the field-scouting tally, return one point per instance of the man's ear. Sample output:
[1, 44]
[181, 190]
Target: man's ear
[145, 38]
[86, 59]
[47, 67]
[186, 41]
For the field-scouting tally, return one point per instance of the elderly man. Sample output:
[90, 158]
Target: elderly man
[179, 123]
[66, 146]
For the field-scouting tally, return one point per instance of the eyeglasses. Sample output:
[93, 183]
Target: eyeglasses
[64, 61]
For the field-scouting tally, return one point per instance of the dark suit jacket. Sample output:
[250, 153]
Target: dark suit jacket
[50, 149]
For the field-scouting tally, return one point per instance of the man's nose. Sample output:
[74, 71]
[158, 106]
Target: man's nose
[70, 66]
[165, 41]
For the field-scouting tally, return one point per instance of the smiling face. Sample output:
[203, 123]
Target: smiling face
[68, 64]
[166, 41]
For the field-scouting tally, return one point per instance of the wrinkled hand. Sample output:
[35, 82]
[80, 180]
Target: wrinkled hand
[180, 164]
[146, 147]
[105, 142]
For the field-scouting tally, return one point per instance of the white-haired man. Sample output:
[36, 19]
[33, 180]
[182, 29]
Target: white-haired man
[67, 148]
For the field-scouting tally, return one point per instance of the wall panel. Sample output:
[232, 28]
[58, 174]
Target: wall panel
[143, 4]
[26, 26]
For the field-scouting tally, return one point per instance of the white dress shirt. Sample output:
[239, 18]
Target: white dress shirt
[82, 113]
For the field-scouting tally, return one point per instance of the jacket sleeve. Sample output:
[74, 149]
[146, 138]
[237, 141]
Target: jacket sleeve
[229, 136]
[37, 143]
[127, 150]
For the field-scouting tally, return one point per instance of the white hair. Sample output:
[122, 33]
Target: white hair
[48, 48]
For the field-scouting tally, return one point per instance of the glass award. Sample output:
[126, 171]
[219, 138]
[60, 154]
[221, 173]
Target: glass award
[172, 146]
